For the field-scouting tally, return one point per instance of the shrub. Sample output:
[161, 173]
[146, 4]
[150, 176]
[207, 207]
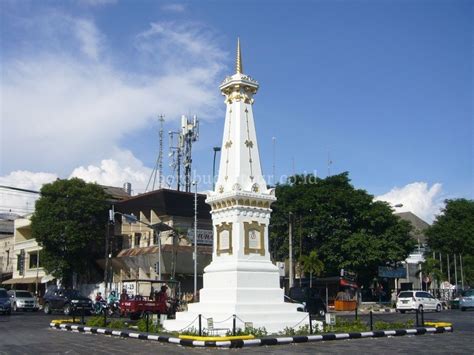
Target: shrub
[141, 324]
[96, 322]
[117, 324]
[345, 326]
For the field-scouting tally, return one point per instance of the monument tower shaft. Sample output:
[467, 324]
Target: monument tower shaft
[241, 278]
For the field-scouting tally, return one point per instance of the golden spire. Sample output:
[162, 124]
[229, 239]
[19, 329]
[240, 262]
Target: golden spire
[238, 62]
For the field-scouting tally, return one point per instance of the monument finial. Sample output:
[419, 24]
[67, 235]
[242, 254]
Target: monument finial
[238, 61]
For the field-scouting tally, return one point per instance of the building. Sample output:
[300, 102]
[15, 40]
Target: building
[6, 249]
[413, 279]
[135, 246]
[28, 274]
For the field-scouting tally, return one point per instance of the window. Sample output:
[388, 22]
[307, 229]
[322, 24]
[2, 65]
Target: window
[33, 256]
[23, 294]
[138, 236]
[405, 294]
[420, 294]
[8, 258]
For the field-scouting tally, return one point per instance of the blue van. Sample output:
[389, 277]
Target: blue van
[5, 304]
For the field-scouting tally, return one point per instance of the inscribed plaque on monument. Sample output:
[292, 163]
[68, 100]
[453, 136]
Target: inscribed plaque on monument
[254, 239]
[224, 238]
[254, 234]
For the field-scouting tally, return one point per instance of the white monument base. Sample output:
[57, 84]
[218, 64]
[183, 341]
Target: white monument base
[246, 289]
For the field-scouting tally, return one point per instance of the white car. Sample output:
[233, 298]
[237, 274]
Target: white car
[466, 300]
[22, 300]
[417, 300]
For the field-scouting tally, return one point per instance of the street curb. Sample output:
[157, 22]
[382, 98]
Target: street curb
[252, 342]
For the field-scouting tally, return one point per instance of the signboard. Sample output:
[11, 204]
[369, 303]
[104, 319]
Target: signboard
[130, 287]
[331, 318]
[204, 236]
[349, 275]
[392, 272]
[21, 262]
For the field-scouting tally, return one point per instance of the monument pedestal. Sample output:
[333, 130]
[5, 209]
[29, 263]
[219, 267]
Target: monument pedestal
[250, 290]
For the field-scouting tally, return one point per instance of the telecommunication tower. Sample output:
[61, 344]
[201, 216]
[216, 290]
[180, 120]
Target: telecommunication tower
[158, 169]
[181, 143]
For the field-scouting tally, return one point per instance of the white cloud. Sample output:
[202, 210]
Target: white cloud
[115, 172]
[424, 201]
[174, 7]
[89, 37]
[22, 202]
[62, 111]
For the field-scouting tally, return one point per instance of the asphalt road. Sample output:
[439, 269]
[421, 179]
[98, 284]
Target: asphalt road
[29, 333]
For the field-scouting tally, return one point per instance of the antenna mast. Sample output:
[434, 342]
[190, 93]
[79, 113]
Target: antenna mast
[158, 168]
[160, 156]
[190, 134]
[181, 143]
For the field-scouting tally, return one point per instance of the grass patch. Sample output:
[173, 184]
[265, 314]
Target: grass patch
[97, 321]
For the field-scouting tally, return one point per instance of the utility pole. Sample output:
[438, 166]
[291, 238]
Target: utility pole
[449, 271]
[455, 272]
[440, 262]
[195, 240]
[107, 238]
[216, 149]
[462, 276]
[290, 241]
[301, 245]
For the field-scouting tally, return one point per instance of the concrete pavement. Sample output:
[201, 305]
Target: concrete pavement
[29, 333]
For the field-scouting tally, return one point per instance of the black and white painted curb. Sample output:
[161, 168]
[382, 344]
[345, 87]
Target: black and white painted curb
[252, 342]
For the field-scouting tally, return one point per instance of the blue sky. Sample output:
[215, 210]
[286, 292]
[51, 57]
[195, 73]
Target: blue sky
[383, 87]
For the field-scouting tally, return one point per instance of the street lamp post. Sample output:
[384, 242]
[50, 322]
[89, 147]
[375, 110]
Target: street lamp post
[216, 149]
[195, 239]
[290, 251]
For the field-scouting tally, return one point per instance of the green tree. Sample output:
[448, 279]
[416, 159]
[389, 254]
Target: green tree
[311, 264]
[348, 228]
[70, 222]
[453, 233]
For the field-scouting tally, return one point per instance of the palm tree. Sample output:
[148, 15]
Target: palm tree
[312, 264]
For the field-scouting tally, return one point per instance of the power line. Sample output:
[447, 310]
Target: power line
[19, 189]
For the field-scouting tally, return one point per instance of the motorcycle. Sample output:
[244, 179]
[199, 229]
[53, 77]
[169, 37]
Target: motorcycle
[113, 308]
[100, 307]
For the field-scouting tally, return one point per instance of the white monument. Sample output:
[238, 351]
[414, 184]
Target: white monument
[241, 279]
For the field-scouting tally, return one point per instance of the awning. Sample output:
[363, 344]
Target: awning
[28, 280]
[47, 278]
[22, 280]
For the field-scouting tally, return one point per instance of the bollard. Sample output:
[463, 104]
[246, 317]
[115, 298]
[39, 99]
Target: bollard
[200, 329]
[310, 325]
[422, 317]
[82, 316]
[233, 325]
[356, 312]
[417, 322]
[371, 321]
[147, 316]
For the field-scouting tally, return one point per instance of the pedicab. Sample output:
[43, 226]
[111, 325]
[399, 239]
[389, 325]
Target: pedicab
[142, 296]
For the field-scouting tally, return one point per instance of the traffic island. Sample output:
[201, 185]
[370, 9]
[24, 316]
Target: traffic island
[240, 343]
